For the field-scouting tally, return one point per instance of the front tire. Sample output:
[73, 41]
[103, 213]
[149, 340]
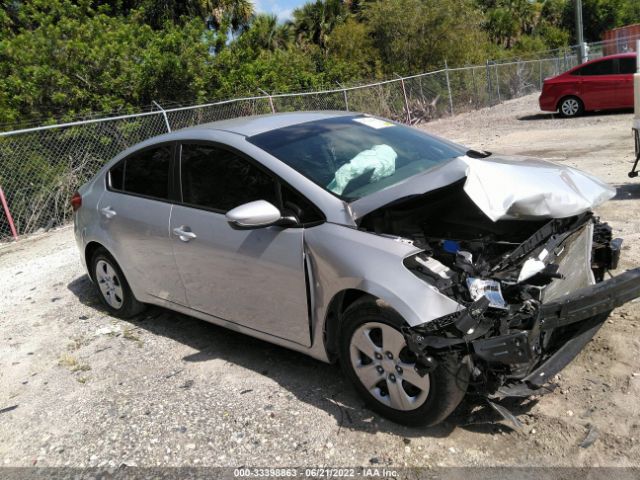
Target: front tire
[113, 288]
[571, 107]
[375, 358]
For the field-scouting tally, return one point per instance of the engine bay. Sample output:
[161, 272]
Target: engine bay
[465, 252]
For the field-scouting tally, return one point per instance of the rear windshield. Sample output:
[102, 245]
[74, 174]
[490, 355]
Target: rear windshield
[354, 156]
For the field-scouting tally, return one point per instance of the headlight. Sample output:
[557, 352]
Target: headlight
[479, 288]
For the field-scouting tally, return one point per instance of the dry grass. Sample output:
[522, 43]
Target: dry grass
[129, 334]
[69, 361]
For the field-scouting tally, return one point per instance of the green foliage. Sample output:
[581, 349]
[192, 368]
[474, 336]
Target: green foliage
[98, 63]
[352, 43]
[70, 58]
[314, 21]
[553, 37]
[417, 35]
[265, 33]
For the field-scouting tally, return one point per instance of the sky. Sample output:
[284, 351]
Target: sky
[281, 8]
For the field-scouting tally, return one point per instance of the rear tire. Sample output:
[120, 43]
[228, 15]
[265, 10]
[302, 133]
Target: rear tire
[114, 291]
[571, 107]
[375, 358]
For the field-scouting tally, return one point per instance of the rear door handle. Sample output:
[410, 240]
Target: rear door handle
[184, 233]
[107, 212]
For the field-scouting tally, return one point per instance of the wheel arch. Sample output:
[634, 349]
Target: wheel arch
[339, 304]
[89, 252]
[91, 249]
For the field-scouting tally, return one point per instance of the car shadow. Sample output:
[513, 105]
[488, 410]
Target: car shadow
[553, 115]
[316, 383]
[627, 191]
[539, 116]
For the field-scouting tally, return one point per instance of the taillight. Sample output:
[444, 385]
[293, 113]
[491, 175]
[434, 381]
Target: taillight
[76, 201]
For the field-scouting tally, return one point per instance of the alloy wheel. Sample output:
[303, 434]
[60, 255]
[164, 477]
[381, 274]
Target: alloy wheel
[570, 107]
[386, 368]
[109, 284]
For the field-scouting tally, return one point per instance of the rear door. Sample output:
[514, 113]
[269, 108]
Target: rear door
[599, 84]
[134, 214]
[254, 278]
[627, 67]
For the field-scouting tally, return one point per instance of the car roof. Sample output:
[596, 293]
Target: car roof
[599, 59]
[254, 125]
[608, 57]
[616, 55]
[242, 126]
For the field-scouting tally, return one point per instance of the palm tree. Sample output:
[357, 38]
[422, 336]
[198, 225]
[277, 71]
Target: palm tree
[314, 22]
[233, 14]
[265, 33]
[510, 19]
[224, 15]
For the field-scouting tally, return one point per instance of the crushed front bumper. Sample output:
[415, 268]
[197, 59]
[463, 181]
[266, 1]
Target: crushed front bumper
[520, 362]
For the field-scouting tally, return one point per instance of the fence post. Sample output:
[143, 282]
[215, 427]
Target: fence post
[5, 206]
[540, 65]
[476, 100]
[406, 100]
[164, 114]
[489, 89]
[446, 71]
[273, 109]
[344, 94]
[498, 84]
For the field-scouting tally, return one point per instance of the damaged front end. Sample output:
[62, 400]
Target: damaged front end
[533, 291]
[528, 314]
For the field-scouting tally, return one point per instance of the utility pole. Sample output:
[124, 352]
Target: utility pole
[579, 31]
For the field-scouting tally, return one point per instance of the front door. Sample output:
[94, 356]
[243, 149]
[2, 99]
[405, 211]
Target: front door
[254, 278]
[599, 85]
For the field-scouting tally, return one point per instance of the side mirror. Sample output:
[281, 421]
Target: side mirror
[256, 214]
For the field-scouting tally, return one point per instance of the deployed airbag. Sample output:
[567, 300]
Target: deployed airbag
[381, 159]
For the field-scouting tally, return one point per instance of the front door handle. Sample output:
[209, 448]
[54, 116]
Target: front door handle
[184, 233]
[107, 212]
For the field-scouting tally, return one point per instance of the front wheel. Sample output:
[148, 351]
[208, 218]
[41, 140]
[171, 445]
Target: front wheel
[571, 107]
[375, 357]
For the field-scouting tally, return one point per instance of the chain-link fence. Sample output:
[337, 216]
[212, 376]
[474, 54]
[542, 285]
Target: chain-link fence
[40, 168]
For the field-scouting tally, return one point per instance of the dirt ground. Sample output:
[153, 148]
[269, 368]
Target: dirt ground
[80, 388]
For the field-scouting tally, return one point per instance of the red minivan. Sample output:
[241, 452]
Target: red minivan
[602, 84]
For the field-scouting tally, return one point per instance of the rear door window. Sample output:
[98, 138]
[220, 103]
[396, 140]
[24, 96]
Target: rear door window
[144, 173]
[605, 67]
[218, 179]
[627, 65]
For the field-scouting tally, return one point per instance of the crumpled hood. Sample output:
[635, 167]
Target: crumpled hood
[504, 187]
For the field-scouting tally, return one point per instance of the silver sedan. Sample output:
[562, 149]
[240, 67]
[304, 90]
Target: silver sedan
[425, 268]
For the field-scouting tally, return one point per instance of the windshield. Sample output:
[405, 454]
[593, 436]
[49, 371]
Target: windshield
[354, 156]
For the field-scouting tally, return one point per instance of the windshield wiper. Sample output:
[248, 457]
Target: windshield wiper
[477, 153]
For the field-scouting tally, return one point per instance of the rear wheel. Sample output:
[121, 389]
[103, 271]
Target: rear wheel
[375, 357]
[115, 293]
[571, 107]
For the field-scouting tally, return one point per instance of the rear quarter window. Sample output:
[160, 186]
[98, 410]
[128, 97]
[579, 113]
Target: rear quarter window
[628, 65]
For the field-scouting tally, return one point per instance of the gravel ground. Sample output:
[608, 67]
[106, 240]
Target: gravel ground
[80, 388]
